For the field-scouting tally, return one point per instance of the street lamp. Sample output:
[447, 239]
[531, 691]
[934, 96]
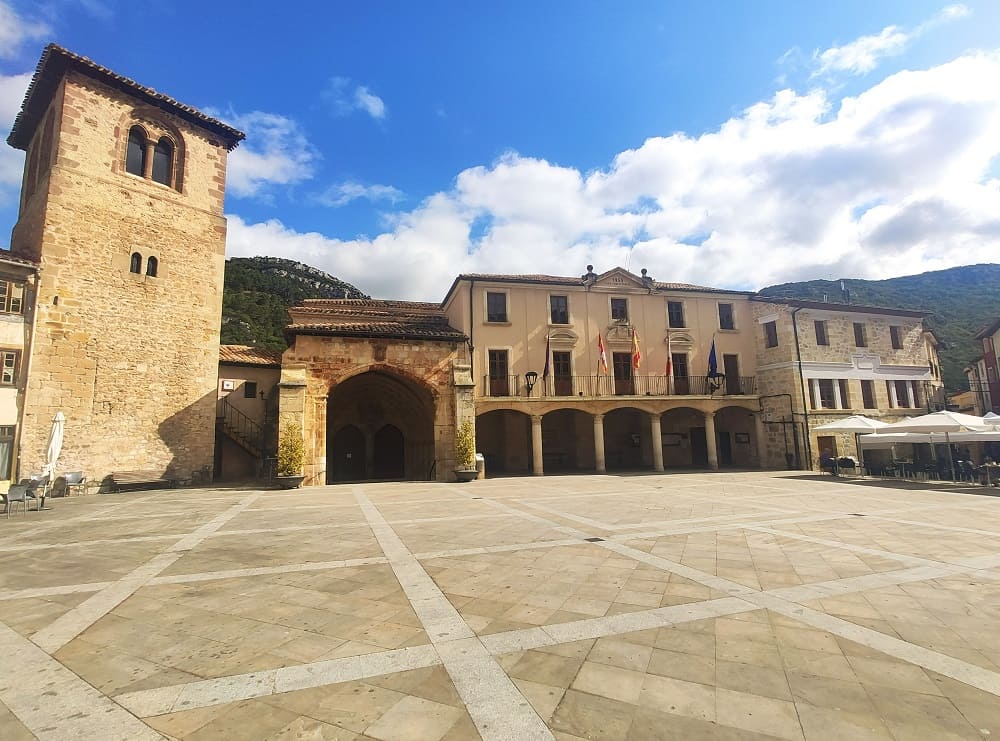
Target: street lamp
[530, 379]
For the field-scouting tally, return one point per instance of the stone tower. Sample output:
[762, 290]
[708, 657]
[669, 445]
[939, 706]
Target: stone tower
[122, 208]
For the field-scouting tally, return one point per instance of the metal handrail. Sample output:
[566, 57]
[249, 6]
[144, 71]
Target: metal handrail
[239, 426]
[607, 385]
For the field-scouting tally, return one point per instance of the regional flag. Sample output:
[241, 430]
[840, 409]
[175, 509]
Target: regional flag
[636, 355]
[602, 356]
[713, 363]
[545, 370]
[670, 357]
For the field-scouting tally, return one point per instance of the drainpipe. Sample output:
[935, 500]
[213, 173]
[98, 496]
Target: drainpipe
[802, 388]
[791, 418]
[27, 353]
[472, 347]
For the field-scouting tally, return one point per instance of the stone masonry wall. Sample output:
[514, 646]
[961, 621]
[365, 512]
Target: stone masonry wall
[323, 362]
[131, 360]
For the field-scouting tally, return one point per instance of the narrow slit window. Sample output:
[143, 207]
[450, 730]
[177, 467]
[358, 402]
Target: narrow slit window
[135, 264]
[152, 264]
[135, 157]
[163, 161]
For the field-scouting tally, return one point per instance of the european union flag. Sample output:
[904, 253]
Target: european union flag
[713, 363]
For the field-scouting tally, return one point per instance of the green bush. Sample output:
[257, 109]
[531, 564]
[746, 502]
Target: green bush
[291, 451]
[465, 446]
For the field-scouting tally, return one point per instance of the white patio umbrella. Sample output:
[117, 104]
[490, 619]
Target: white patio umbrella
[946, 422]
[55, 444]
[859, 425]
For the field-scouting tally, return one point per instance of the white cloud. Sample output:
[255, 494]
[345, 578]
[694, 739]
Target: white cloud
[15, 30]
[341, 194]
[370, 103]
[864, 54]
[276, 152]
[12, 89]
[344, 98]
[895, 180]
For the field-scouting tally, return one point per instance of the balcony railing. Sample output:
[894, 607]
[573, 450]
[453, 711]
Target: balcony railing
[608, 385]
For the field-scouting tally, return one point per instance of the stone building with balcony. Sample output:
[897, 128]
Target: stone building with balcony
[979, 387]
[545, 403]
[818, 362]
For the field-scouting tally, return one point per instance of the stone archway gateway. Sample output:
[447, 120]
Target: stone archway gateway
[384, 420]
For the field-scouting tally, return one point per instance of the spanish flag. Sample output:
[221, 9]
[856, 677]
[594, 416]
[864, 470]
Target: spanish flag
[670, 357]
[636, 355]
[602, 356]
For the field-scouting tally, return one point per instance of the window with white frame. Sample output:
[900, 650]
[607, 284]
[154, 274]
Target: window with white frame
[8, 366]
[11, 297]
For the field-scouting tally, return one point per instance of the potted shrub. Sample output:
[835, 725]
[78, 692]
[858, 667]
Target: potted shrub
[291, 453]
[465, 452]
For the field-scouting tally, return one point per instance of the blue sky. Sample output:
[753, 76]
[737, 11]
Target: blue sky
[723, 143]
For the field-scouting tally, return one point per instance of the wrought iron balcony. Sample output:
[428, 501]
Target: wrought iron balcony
[607, 385]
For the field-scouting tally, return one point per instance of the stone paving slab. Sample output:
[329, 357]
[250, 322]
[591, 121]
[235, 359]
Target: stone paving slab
[726, 605]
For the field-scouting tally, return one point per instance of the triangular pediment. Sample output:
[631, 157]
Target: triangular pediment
[619, 278]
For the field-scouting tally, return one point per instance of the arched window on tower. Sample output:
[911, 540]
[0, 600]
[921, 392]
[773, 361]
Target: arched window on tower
[163, 161]
[135, 266]
[151, 265]
[135, 157]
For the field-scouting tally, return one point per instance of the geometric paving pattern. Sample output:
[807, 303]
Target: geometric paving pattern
[692, 606]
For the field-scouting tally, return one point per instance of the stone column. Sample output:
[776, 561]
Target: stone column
[711, 444]
[761, 433]
[838, 401]
[599, 443]
[909, 395]
[893, 398]
[817, 397]
[654, 431]
[536, 445]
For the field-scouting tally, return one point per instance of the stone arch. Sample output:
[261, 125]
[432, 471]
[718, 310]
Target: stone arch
[372, 401]
[736, 434]
[627, 440]
[503, 436]
[568, 440]
[682, 432]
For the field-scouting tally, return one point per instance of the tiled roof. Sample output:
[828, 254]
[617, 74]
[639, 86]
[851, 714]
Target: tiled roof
[388, 329]
[246, 355]
[6, 257]
[54, 63]
[327, 304]
[372, 318]
[564, 280]
[848, 308]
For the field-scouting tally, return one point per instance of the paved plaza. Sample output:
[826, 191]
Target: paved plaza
[689, 606]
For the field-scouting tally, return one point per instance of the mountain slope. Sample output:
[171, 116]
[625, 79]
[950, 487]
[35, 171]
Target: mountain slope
[962, 300]
[258, 292]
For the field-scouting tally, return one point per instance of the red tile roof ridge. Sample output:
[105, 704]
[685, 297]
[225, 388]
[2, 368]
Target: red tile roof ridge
[27, 121]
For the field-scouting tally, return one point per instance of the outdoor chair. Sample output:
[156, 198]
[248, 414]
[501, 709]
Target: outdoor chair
[74, 480]
[16, 493]
[36, 488]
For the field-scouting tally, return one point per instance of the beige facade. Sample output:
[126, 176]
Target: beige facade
[583, 417]
[819, 362]
[18, 280]
[122, 208]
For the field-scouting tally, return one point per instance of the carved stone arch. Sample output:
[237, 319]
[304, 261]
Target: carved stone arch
[563, 339]
[679, 340]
